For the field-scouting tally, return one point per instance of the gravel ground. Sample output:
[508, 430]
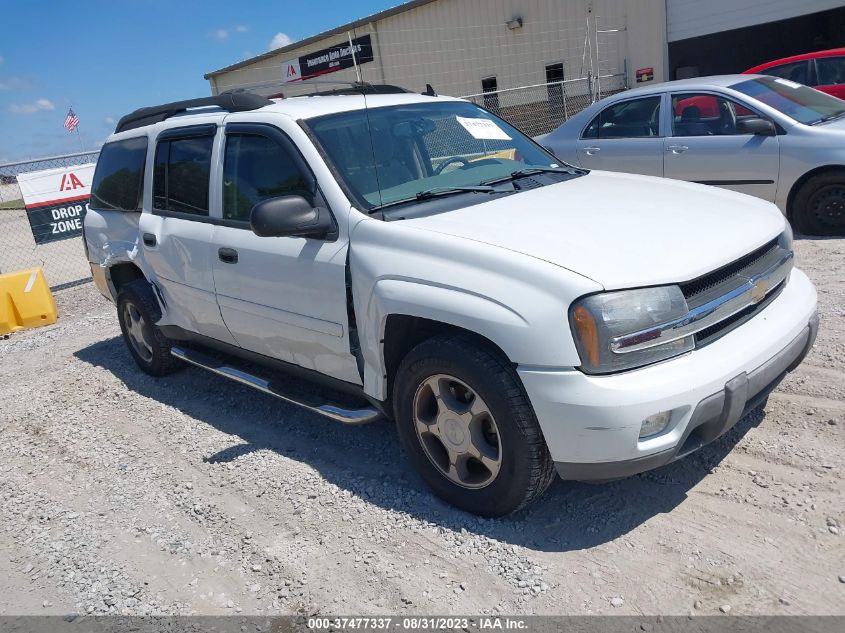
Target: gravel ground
[120, 493]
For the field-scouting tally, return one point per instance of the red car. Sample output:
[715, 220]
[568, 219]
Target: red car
[823, 70]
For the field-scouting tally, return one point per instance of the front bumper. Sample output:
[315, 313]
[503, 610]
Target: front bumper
[592, 423]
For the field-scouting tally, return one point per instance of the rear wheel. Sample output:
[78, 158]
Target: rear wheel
[469, 428]
[819, 206]
[138, 311]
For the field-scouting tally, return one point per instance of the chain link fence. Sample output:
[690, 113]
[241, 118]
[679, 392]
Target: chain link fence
[63, 260]
[541, 108]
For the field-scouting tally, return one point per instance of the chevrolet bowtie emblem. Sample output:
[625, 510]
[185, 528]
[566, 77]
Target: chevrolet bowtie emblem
[759, 290]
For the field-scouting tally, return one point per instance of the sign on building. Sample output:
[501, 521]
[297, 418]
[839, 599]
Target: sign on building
[56, 201]
[328, 60]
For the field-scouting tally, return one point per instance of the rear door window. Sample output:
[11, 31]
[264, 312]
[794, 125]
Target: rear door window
[181, 175]
[636, 118]
[118, 183]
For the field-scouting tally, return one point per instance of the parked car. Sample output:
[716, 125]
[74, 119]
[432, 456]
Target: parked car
[823, 70]
[764, 136]
[416, 257]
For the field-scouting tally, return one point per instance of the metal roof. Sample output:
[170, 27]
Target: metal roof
[402, 8]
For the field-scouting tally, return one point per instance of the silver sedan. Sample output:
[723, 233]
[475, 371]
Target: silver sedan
[764, 136]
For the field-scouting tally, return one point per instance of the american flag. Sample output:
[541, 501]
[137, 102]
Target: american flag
[71, 120]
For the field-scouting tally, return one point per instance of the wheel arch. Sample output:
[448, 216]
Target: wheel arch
[796, 186]
[403, 332]
[121, 273]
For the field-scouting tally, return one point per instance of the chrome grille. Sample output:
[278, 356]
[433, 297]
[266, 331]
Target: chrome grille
[721, 300]
[714, 284]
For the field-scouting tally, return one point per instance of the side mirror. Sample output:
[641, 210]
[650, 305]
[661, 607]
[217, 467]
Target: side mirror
[760, 127]
[289, 216]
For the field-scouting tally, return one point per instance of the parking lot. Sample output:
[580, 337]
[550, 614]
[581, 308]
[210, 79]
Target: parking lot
[190, 494]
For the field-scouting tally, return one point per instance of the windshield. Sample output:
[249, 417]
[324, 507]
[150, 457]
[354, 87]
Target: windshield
[420, 147]
[796, 101]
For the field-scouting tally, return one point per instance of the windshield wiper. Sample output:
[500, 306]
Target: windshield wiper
[530, 171]
[830, 117]
[436, 192]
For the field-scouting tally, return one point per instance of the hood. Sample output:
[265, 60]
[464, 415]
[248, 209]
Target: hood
[620, 230]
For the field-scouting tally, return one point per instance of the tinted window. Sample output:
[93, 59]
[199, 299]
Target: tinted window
[796, 71]
[181, 175]
[256, 168]
[707, 115]
[636, 118]
[830, 71]
[119, 178]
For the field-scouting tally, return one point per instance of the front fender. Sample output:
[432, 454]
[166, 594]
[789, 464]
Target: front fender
[517, 302]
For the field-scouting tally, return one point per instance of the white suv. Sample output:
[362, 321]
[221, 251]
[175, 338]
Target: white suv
[423, 260]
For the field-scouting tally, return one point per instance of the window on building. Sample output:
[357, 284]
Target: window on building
[119, 178]
[181, 175]
[554, 77]
[490, 87]
[256, 168]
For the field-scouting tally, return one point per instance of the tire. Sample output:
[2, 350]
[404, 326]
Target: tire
[819, 205]
[137, 312]
[478, 385]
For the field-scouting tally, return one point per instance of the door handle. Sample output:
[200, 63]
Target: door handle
[592, 150]
[677, 149]
[149, 239]
[228, 255]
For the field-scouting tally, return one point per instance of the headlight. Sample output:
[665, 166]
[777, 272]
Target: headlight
[785, 238]
[599, 319]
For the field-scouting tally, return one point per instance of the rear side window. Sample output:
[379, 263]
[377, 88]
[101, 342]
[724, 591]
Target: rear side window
[118, 183]
[181, 175]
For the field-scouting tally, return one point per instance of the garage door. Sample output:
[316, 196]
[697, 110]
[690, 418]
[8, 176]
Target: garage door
[691, 18]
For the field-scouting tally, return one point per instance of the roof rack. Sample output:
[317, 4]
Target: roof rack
[357, 88]
[235, 101]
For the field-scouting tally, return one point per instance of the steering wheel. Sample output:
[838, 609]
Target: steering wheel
[455, 159]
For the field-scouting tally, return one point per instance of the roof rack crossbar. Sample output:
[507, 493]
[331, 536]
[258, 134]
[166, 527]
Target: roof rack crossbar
[235, 101]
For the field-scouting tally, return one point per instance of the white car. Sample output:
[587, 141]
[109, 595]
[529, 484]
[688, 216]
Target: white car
[764, 136]
[421, 259]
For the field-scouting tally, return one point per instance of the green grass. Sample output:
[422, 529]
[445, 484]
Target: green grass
[12, 204]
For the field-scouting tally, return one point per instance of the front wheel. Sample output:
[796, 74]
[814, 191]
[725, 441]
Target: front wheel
[468, 427]
[819, 206]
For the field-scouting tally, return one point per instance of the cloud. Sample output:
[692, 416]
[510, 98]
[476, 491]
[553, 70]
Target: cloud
[223, 34]
[32, 108]
[15, 83]
[279, 40]
[109, 121]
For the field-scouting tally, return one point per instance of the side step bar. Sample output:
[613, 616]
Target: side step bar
[339, 414]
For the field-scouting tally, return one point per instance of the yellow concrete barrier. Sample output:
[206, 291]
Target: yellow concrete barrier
[25, 301]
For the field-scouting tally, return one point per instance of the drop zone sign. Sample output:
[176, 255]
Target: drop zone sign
[56, 201]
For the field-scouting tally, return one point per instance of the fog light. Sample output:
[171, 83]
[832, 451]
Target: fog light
[654, 424]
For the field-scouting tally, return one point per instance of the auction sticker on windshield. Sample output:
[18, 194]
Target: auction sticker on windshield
[483, 129]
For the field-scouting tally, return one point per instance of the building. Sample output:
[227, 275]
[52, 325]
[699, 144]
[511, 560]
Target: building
[467, 47]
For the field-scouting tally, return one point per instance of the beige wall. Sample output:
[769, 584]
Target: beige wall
[453, 44]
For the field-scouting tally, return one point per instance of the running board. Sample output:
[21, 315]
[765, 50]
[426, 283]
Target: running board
[362, 415]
